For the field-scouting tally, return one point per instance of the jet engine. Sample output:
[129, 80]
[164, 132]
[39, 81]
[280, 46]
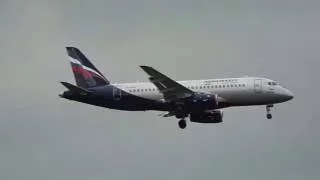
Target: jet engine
[202, 101]
[215, 116]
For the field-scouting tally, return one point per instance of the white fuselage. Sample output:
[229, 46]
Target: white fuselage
[234, 91]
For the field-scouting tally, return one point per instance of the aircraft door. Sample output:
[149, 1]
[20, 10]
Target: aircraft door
[116, 93]
[257, 86]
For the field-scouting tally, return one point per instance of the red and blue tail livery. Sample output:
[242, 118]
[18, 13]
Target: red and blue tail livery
[200, 101]
[85, 73]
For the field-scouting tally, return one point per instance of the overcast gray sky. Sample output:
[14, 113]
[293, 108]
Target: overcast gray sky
[44, 137]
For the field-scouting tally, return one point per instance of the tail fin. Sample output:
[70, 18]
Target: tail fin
[85, 73]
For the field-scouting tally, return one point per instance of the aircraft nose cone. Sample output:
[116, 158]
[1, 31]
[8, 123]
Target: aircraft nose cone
[288, 95]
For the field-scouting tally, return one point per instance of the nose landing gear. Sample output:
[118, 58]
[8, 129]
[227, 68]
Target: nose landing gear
[268, 108]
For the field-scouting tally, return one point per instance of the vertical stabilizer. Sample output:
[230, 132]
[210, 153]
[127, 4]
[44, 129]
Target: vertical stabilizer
[85, 73]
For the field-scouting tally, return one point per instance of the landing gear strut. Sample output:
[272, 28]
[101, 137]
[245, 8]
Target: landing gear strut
[182, 124]
[268, 108]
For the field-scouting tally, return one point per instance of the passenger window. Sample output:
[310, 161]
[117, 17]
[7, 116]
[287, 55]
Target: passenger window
[231, 85]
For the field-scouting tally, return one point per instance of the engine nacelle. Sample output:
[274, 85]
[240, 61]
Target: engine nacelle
[207, 117]
[202, 101]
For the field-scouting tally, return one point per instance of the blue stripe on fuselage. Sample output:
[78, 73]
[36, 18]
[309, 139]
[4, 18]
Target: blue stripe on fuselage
[105, 96]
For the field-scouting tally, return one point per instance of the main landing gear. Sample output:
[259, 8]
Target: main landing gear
[268, 108]
[182, 123]
[181, 114]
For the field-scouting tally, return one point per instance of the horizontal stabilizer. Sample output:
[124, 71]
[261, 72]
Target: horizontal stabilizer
[75, 89]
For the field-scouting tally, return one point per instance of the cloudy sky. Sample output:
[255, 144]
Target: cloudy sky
[44, 137]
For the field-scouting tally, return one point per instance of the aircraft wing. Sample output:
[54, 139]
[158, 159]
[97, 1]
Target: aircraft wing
[171, 89]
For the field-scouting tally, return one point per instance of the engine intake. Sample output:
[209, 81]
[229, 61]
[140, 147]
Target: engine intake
[207, 117]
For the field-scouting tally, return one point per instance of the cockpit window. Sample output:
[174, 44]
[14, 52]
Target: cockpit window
[272, 83]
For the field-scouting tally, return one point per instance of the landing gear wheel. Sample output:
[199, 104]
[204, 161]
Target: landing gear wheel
[269, 116]
[182, 124]
[268, 108]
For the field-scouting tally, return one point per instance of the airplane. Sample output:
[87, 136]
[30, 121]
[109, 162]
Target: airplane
[199, 100]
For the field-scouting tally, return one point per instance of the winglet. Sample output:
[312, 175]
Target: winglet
[147, 69]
